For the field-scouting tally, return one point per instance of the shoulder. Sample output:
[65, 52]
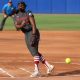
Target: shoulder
[13, 6]
[5, 5]
[30, 13]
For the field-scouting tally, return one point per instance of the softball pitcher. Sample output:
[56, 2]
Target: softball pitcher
[26, 23]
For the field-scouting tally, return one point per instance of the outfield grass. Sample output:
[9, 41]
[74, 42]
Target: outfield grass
[51, 22]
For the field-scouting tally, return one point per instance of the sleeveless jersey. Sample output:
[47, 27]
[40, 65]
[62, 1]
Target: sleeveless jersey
[24, 16]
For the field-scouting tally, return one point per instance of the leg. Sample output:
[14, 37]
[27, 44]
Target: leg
[45, 62]
[2, 23]
[37, 56]
[34, 53]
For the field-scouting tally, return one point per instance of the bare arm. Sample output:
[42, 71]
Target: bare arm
[4, 14]
[32, 21]
[19, 25]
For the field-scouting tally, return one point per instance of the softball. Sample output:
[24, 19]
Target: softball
[68, 60]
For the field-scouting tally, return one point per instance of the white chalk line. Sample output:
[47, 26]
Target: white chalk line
[76, 75]
[27, 71]
[56, 62]
[5, 72]
[65, 63]
[49, 61]
[23, 69]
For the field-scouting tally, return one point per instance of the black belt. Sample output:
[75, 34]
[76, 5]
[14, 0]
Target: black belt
[26, 29]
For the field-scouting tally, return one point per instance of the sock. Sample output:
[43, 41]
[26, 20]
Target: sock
[44, 61]
[36, 61]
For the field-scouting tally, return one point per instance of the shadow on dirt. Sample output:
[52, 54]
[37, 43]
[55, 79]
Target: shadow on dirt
[75, 72]
[69, 73]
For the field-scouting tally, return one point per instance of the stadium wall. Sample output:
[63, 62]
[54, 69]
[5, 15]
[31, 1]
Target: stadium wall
[49, 6]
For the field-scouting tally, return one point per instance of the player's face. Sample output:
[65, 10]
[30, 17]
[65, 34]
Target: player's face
[10, 3]
[21, 7]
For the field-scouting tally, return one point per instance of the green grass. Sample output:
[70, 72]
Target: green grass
[9, 25]
[58, 22]
[51, 22]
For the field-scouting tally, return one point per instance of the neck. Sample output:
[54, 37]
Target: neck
[21, 11]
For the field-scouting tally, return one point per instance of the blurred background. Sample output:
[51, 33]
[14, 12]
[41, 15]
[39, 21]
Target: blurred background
[51, 14]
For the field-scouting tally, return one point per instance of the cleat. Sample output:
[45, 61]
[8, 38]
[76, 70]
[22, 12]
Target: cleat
[35, 74]
[50, 69]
